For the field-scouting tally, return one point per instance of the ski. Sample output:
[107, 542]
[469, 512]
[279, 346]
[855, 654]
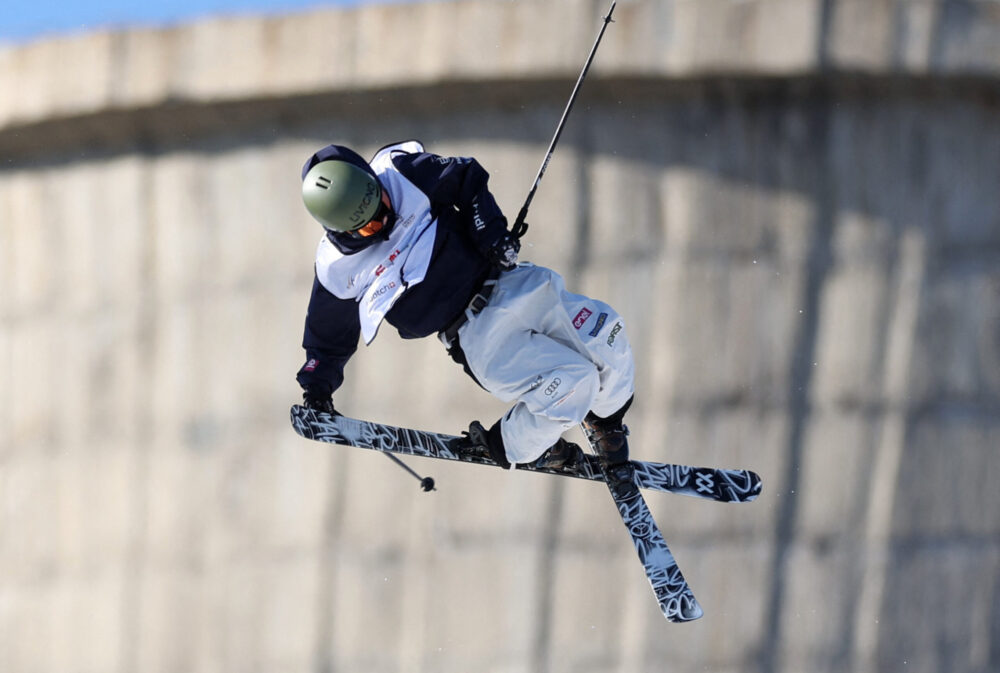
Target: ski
[677, 602]
[700, 482]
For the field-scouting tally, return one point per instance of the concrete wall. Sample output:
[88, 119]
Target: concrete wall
[792, 202]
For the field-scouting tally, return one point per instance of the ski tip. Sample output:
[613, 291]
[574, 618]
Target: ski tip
[301, 427]
[685, 609]
[744, 486]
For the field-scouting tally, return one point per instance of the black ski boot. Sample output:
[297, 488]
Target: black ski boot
[482, 441]
[560, 455]
[609, 437]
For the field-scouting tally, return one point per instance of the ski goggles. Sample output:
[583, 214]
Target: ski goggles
[383, 218]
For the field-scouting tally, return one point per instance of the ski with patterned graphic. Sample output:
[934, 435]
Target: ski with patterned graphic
[674, 596]
[676, 600]
[700, 482]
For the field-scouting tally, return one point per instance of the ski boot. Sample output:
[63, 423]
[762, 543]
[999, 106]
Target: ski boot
[609, 437]
[559, 456]
[489, 442]
[477, 440]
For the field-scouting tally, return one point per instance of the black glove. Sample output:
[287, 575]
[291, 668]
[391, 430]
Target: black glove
[503, 253]
[316, 402]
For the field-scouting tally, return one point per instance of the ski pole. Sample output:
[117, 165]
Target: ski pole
[426, 483]
[520, 226]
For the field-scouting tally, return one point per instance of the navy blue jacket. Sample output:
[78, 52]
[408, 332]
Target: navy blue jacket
[469, 222]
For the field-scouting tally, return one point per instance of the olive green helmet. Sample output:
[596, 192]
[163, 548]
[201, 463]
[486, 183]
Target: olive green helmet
[342, 196]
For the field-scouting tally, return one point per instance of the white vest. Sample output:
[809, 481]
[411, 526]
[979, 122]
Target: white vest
[378, 275]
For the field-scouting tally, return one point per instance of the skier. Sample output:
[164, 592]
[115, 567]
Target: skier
[418, 240]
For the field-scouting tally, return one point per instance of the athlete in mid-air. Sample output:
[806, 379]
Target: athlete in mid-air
[417, 240]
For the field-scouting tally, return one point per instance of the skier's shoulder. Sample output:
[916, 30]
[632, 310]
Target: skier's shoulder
[389, 156]
[412, 160]
[409, 161]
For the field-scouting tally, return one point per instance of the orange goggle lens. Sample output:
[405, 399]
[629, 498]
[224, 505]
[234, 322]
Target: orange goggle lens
[372, 228]
[376, 224]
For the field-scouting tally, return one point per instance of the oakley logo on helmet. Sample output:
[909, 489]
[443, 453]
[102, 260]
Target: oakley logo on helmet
[366, 200]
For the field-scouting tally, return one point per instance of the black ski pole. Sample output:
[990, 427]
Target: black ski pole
[520, 226]
[426, 483]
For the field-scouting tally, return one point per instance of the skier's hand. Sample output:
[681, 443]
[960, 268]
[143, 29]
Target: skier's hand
[503, 253]
[319, 403]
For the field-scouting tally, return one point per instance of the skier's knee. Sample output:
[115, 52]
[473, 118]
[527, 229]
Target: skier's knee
[575, 393]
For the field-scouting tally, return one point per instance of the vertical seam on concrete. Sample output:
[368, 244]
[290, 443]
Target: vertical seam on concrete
[825, 29]
[135, 556]
[333, 518]
[867, 473]
[897, 39]
[817, 267]
[134, 563]
[935, 55]
[545, 595]
[887, 461]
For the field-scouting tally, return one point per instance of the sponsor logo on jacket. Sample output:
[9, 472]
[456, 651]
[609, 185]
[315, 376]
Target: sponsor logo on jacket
[614, 333]
[536, 383]
[601, 317]
[477, 218]
[380, 269]
[581, 317]
[381, 291]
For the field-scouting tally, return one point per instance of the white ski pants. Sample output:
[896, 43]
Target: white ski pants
[557, 354]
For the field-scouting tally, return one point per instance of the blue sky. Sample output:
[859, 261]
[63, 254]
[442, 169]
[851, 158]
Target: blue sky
[24, 20]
